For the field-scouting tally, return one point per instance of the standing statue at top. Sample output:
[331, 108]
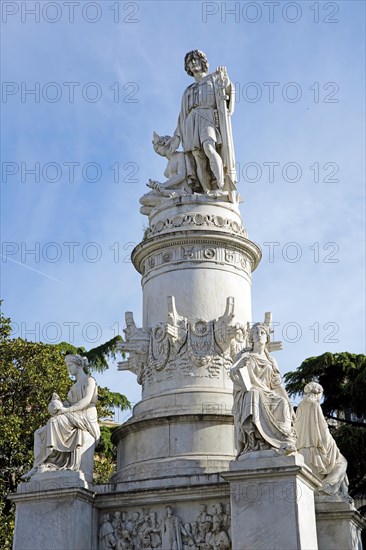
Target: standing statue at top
[204, 127]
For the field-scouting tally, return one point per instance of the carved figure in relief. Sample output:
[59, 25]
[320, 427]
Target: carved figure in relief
[263, 415]
[154, 531]
[73, 427]
[219, 515]
[172, 530]
[133, 526]
[315, 443]
[217, 539]
[176, 183]
[118, 524]
[124, 542]
[189, 540]
[208, 532]
[106, 533]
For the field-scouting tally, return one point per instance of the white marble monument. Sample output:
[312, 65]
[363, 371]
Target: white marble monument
[208, 460]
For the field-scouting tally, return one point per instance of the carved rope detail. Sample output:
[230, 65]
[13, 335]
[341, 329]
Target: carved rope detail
[198, 220]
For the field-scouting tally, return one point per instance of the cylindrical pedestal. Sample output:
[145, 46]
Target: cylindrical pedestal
[196, 264]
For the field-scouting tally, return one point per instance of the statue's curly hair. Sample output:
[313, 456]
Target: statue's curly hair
[78, 360]
[200, 55]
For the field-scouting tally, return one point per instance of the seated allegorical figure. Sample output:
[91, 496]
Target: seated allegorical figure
[175, 172]
[263, 415]
[73, 428]
[317, 446]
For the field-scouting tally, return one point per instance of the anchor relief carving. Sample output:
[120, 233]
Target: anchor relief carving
[200, 348]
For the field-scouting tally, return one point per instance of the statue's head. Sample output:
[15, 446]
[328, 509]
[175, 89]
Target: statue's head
[216, 526]
[75, 362]
[260, 332]
[160, 144]
[199, 56]
[219, 508]
[313, 391]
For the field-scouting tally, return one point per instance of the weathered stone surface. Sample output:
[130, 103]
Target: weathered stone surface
[57, 515]
[272, 502]
[338, 525]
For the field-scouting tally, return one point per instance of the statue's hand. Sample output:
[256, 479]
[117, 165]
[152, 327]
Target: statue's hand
[223, 76]
[222, 69]
[155, 186]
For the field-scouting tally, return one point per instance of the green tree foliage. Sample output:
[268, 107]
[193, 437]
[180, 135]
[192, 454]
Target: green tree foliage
[343, 377]
[29, 373]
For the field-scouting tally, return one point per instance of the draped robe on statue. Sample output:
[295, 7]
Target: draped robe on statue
[262, 414]
[59, 442]
[318, 447]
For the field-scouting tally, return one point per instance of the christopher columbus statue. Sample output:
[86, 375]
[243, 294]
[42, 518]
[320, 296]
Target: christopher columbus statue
[204, 127]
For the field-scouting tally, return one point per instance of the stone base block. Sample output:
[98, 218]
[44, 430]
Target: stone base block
[339, 526]
[272, 502]
[54, 513]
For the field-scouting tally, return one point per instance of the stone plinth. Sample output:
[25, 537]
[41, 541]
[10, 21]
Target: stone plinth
[54, 511]
[272, 502]
[338, 525]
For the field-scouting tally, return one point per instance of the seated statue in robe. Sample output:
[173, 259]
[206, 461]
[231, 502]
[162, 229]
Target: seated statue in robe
[317, 446]
[73, 427]
[263, 415]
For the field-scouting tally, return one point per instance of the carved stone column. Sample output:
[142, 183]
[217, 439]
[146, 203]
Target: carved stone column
[196, 264]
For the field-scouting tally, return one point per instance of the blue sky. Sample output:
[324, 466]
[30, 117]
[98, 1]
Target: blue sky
[102, 88]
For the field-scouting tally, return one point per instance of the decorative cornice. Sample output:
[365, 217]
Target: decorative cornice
[186, 239]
